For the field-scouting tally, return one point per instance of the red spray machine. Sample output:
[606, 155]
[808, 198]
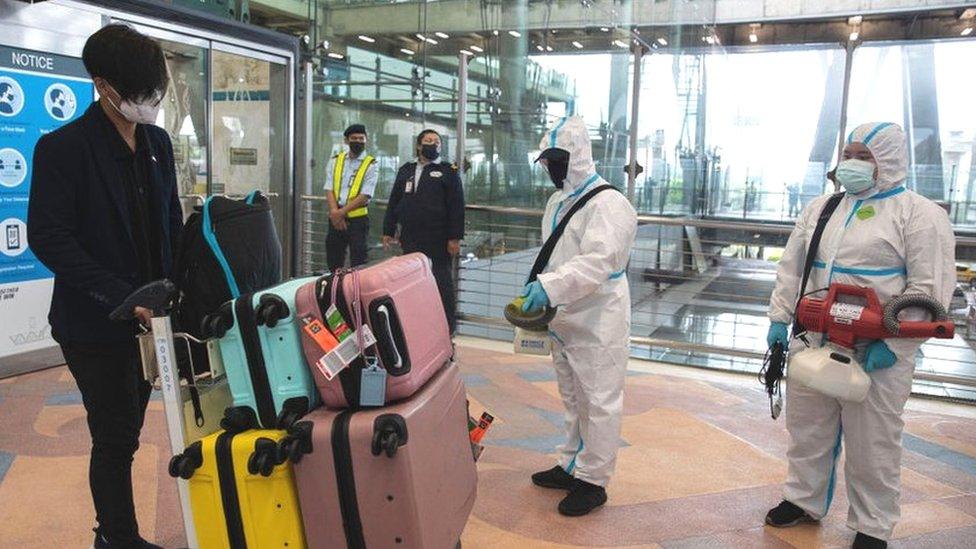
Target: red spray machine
[844, 322]
[833, 369]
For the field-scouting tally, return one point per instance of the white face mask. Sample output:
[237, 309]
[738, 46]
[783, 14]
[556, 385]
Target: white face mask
[855, 175]
[144, 112]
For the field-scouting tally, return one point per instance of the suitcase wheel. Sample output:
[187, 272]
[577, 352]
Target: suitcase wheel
[264, 458]
[389, 434]
[184, 465]
[238, 419]
[217, 323]
[270, 310]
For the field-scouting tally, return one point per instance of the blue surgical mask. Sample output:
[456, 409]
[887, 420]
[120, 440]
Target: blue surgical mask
[855, 175]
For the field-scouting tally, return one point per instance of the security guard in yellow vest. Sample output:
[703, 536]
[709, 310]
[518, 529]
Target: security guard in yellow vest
[350, 182]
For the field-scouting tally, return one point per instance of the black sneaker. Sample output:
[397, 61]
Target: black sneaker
[786, 514]
[583, 497]
[864, 541]
[556, 478]
[102, 542]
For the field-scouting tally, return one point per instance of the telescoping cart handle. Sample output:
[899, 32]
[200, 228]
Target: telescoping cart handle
[156, 296]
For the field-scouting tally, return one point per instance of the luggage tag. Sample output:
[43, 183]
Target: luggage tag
[372, 384]
[340, 357]
[337, 324]
[326, 342]
[480, 428]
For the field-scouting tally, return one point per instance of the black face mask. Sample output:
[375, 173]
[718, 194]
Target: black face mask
[557, 171]
[356, 147]
[430, 152]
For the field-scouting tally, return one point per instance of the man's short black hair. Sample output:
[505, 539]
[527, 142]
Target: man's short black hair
[420, 136]
[355, 128]
[133, 63]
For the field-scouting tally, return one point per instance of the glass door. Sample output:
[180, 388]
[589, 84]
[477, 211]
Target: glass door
[250, 105]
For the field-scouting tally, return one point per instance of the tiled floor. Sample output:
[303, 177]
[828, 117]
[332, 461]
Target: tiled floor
[701, 462]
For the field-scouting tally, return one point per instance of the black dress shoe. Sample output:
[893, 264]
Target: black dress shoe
[864, 541]
[582, 499]
[556, 478]
[102, 542]
[786, 514]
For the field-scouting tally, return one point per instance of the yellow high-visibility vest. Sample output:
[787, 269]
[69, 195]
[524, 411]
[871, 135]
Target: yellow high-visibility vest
[357, 182]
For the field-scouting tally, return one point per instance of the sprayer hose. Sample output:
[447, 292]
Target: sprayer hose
[902, 302]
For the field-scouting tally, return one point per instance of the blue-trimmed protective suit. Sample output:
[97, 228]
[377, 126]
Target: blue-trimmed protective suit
[586, 279]
[894, 241]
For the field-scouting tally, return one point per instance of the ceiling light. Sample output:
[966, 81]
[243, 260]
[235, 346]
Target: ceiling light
[577, 45]
[515, 34]
[325, 44]
[441, 35]
[619, 44]
[335, 55]
[753, 38]
[476, 48]
[539, 47]
[968, 13]
[548, 48]
[420, 36]
[406, 51]
[365, 38]
[663, 41]
[855, 34]
[605, 29]
[466, 52]
[856, 20]
[966, 31]
[709, 39]
[494, 32]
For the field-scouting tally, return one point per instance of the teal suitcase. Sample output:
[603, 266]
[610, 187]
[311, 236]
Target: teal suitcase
[260, 342]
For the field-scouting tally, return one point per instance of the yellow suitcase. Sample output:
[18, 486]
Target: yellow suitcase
[241, 495]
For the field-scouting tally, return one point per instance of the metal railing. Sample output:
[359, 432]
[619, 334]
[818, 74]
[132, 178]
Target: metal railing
[699, 288]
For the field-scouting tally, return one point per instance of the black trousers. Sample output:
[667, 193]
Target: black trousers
[443, 267]
[115, 395]
[354, 238]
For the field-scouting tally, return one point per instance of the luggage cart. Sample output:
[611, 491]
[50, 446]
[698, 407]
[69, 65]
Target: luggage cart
[157, 348]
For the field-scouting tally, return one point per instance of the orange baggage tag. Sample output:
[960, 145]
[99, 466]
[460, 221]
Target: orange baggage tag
[319, 334]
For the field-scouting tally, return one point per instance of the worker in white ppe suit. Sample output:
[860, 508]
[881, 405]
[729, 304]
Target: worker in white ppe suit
[888, 238]
[586, 279]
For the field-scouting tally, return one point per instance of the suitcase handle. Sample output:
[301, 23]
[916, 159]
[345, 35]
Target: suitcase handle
[396, 363]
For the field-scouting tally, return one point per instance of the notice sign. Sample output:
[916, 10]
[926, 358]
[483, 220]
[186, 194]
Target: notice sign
[243, 157]
[39, 92]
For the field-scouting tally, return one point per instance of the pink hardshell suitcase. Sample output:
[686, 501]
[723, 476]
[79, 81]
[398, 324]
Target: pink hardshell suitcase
[399, 300]
[400, 476]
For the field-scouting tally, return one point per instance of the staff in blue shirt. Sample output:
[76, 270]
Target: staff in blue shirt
[351, 181]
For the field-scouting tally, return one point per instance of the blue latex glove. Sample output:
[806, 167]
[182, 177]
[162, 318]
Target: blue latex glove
[878, 357]
[535, 297]
[778, 333]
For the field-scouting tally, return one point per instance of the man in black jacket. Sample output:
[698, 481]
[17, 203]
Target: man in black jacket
[427, 202]
[105, 218]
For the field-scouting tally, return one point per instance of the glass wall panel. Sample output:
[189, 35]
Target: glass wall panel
[771, 130]
[250, 128]
[183, 115]
[925, 88]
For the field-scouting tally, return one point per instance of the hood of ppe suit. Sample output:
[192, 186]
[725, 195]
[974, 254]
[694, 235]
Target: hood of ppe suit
[889, 146]
[571, 135]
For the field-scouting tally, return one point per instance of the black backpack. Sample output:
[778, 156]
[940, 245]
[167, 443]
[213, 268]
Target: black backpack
[228, 248]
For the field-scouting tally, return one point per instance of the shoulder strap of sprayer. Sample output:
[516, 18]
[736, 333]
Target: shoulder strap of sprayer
[545, 253]
[825, 213]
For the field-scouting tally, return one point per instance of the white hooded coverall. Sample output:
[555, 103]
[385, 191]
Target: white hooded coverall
[892, 240]
[587, 279]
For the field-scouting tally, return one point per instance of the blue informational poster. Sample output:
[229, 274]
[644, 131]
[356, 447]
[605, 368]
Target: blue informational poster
[39, 92]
